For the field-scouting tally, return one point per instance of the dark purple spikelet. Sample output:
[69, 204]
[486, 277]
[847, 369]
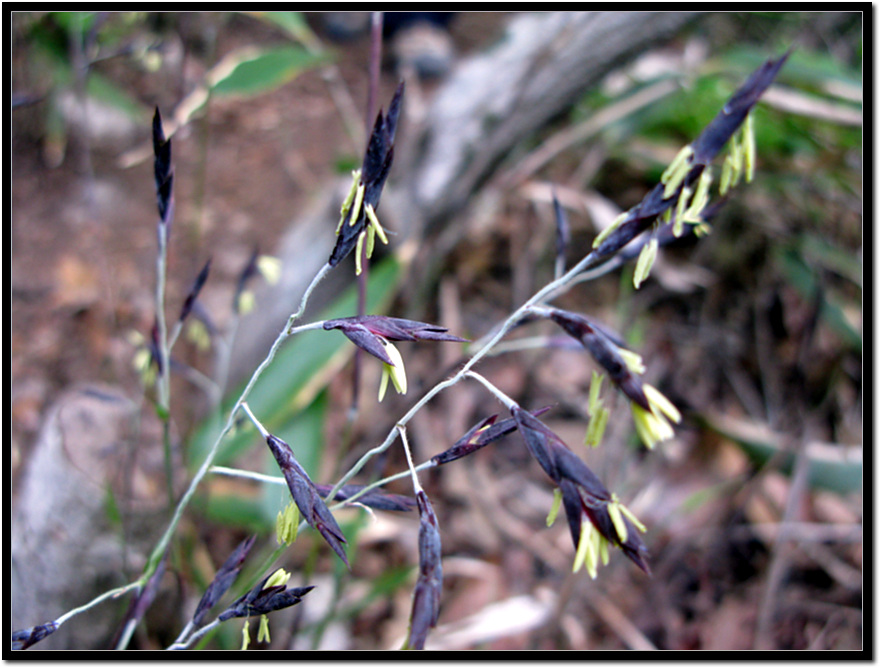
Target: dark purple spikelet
[162, 170]
[193, 294]
[148, 594]
[571, 467]
[583, 494]
[665, 235]
[380, 149]
[24, 638]
[542, 444]
[375, 498]
[640, 217]
[155, 348]
[555, 457]
[578, 502]
[715, 135]
[603, 345]
[479, 436]
[705, 148]
[143, 598]
[426, 595]
[472, 441]
[262, 600]
[306, 496]
[563, 232]
[223, 579]
[250, 270]
[364, 331]
[374, 172]
[540, 441]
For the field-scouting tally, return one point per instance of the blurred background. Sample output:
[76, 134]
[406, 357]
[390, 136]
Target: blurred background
[754, 509]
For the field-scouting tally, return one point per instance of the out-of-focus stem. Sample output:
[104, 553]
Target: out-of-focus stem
[164, 379]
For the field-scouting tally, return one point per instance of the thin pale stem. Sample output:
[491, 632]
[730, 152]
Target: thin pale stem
[253, 418]
[501, 396]
[417, 487]
[164, 378]
[127, 633]
[195, 636]
[113, 593]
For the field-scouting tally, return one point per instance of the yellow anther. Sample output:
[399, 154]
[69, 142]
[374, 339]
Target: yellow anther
[604, 234]
[596, 427]
[263, 632]
[632, 518]
[358, 251]
[617, 520]
[396, 373]
[356, 206]
[279, 577]
[270, 268]
[677, 171]
[701, 198]
[633, 360]
[374, 221]
[646, 260]
[287, 524]
[726, 176]
[595, 388]
[371, 240]
[554, 509]
[680, 206]
[749, 151]
[346, 204]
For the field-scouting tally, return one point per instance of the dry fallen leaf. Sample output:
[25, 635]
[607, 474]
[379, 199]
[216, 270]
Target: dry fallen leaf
[77, 283]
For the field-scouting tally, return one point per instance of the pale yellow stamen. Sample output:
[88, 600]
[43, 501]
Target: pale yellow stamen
[646, 260]
[677, 171]
[604, 234]
[356, 206]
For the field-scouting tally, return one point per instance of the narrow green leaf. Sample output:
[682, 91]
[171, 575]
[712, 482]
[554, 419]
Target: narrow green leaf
[294, 24]
[802, 277]
[249, 71]
[834, 467]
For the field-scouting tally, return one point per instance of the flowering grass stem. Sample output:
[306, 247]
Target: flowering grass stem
[288, 331]
[164, 379]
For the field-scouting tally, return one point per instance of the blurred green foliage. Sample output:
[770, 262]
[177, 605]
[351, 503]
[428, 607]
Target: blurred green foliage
[66, 51]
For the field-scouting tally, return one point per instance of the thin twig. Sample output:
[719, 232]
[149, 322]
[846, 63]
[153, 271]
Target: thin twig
[781, 551]
[619, 622]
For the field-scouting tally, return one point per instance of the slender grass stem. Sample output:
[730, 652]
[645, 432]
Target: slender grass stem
[188, 642]
[113, 593]
[503, 398]
[417, 487]
[164, 379]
